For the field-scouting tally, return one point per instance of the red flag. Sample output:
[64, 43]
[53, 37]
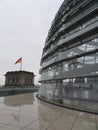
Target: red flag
[19, 61]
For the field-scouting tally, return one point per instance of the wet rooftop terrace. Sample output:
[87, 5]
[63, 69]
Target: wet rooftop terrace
[26, 112]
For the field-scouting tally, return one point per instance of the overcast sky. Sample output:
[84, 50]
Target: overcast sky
[24, 25]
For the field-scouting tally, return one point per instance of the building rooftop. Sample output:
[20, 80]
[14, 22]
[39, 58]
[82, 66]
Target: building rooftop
[26, 112]
[13, 72]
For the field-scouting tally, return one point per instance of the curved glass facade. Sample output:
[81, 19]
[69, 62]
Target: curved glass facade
[69, 64]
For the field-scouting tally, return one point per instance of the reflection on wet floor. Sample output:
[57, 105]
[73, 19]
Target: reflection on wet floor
[26, 112]
[19, 100]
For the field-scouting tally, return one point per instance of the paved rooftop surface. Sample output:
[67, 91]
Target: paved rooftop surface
[26, 112]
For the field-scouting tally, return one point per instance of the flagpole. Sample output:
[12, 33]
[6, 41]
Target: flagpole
[21, 66]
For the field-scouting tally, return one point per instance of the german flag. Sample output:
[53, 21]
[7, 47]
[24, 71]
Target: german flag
[19, 61]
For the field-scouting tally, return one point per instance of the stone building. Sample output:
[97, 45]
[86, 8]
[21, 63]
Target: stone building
[19, 78]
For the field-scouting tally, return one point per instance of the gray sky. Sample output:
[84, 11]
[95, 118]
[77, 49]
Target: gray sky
[24, 25]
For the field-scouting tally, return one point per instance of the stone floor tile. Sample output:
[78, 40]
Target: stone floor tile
[34, 125]
[84, 126]
[9, 127]
[59, 126]
[6, 119]
[22, 121]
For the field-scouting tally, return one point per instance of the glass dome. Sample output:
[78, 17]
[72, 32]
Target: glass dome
[69, 63]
